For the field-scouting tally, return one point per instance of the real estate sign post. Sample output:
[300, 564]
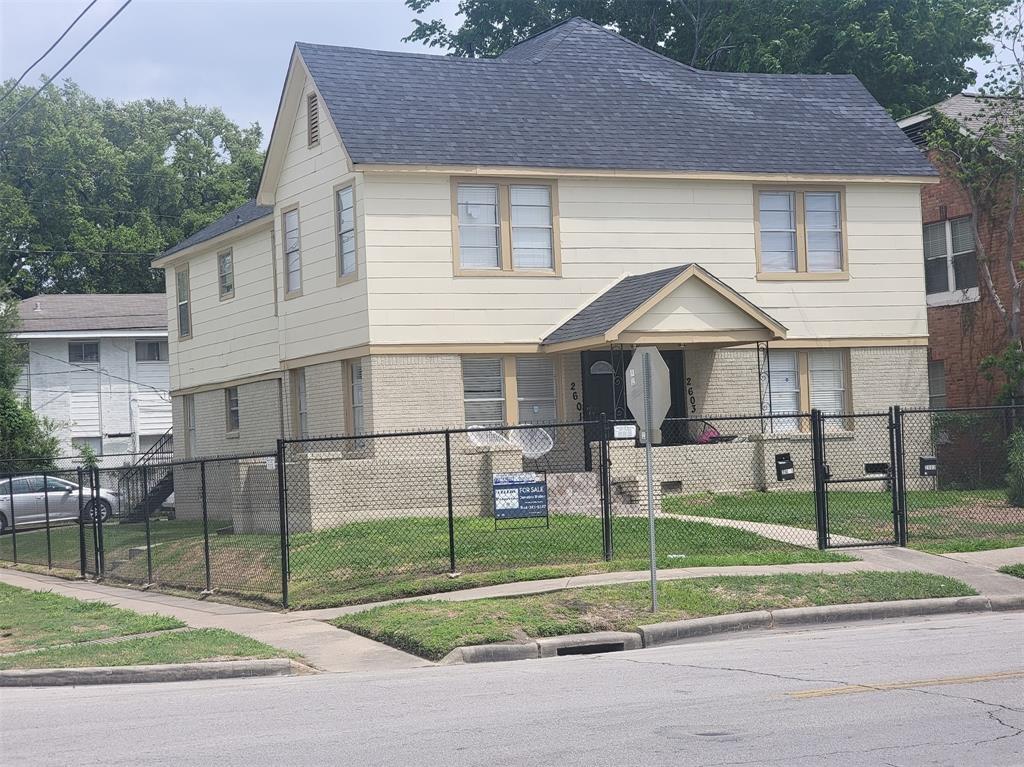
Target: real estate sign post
[649, 397]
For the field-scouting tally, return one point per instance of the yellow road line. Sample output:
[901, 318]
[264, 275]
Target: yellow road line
[857, 688]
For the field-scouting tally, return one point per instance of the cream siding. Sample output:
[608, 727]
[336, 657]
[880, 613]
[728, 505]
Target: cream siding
[612, 226]
[694, 306]
[325, 316]
[234, 338]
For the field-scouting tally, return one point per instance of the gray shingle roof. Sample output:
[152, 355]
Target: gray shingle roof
[580, 96]
[240, 216]
[97, 311]
[613, 306]
[971, 110]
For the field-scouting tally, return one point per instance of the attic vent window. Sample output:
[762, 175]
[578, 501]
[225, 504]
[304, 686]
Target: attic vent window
[313, 119]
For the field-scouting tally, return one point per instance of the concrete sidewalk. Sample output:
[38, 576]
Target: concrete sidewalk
[993, 558]
[322, 645]
[332, 649]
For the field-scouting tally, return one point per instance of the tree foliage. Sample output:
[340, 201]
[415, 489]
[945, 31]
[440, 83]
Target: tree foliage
[908, 53]
[984, 152]
[23, 435]
[82, 179]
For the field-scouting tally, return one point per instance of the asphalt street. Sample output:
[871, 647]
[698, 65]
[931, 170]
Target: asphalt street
[940, 691]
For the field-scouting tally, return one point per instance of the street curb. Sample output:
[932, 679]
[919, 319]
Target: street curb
[168, 672]
[672, 632]
[608, 641]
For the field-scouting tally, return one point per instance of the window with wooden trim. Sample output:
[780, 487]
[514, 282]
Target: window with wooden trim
[505, 227]
[84, 353]
[950, 262]
[345, 206]
[232, 412]
[802, 380]
[312, 120]
[936, 384]
[356, 397]
[292, 252]
[226, 274]
[301, 403]
[800, 231]
[188, 403]
[483, 391]
[182, 293]
[535, 390]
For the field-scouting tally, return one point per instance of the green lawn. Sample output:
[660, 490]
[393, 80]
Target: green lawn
[45, 630]
[1017, 570]
[183, 647]
[939, 521]
[33, 619]
[432, 629]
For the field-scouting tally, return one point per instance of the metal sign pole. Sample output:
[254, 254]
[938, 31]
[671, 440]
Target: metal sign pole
[648, 426]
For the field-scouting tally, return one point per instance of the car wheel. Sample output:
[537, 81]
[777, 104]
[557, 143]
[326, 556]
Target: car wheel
[104, 511]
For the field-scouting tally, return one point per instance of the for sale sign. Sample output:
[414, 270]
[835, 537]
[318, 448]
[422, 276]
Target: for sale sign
[520, 495]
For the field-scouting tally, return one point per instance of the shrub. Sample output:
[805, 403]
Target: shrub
[1015, 472]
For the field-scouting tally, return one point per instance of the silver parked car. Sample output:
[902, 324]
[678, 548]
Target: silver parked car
[33, 494]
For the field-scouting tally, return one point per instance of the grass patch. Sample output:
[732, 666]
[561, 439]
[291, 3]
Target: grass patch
[939, 521]
[34, 619]
[183, 647]
[432, 629]
[1016, 570]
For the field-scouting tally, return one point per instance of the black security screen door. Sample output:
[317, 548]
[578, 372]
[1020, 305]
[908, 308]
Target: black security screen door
[604, 390]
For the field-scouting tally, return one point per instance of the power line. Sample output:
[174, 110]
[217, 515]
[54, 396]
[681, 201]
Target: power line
[97, 369]
[106, 210]
[46, 52]
[83, 253]
[92, 173]
[30, 99]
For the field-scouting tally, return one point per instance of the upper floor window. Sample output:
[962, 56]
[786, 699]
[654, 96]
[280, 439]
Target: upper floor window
[85, 352]
[312, 120]
[150, 351]
[226, 274]
[950, 262]
[505, 227]
[346, 214]
[800, 232]
[292, 254]
[184, 309]
[231, 409]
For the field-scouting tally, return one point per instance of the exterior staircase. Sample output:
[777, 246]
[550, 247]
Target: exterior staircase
[146, 484]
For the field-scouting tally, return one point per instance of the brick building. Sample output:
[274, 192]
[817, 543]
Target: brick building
[964, 325]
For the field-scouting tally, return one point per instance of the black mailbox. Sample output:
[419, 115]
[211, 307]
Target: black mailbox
[784, 467]
[929, 466]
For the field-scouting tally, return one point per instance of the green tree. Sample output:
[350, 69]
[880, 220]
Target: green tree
[83, 179]
[27, 441]
[984, 152]
[908, 53]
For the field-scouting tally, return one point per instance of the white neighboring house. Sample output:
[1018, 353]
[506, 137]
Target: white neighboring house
[97, 366]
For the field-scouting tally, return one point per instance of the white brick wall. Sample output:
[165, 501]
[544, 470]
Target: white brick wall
[413, 391]
[260, 417]
[889, 375]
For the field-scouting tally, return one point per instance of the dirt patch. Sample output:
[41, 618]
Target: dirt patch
[977, 510]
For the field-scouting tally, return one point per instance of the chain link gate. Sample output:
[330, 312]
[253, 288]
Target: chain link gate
[858, 479]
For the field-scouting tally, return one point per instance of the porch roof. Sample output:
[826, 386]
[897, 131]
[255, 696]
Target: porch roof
[708, 311]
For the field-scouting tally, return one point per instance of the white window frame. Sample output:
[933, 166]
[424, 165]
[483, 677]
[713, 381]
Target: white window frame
[301, 403]
[953, 295]
[226, 276]
[803, 388]
[184, 301]
[80, 345]
[357, 397]
[232, 411]
[289, 291]
[188, 406]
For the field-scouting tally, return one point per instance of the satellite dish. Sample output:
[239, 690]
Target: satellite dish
[533, 442]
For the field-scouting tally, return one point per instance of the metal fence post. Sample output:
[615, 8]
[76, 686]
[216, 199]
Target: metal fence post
[46, 512]
[820, 470]
[81, 523]
[143, 500]
[451, 505]
[606, 490]
[900, 489]
[282, 507]
[97, 521]
[14, 525]
[206, 525]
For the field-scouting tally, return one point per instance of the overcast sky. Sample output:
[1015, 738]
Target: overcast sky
[227, 53]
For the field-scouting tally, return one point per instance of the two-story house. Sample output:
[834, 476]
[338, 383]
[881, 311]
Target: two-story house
[441, 241]
[96, 365]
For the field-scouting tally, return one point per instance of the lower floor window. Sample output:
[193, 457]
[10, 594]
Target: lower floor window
[800, 381]
[483, 391]
[535, 387]
[231, 406]
[937, 383]
[356, 393]
[92, 443]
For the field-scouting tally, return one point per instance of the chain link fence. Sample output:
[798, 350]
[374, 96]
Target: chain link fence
[336, 520]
